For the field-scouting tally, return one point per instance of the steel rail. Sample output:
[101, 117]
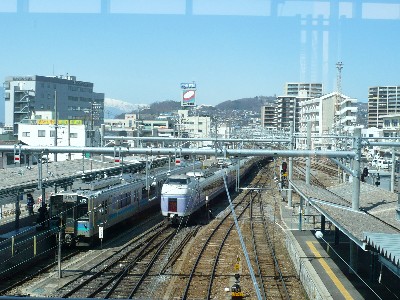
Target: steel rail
[191, 275]
[82, 281]
[270, 244]
[151, 263]
[221, 246]
[255, 247]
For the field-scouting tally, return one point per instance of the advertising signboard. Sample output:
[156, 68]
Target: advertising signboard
[189, 98]
[188, 94]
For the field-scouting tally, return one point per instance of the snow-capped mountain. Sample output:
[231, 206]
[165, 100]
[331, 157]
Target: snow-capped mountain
[113, 107]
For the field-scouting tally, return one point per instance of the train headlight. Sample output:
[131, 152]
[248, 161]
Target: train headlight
[68, 238]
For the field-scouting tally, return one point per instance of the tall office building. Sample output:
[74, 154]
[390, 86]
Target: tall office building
[382, 101]
[33, 97]
[313, 90]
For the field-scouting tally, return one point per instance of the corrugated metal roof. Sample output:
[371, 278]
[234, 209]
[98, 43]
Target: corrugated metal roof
[387, 245]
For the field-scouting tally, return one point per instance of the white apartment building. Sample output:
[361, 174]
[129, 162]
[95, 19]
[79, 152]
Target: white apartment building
[324, 118]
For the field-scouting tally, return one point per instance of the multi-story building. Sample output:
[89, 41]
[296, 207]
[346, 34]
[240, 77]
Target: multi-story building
[268, 116]
[288, 110]
[382, 101]
[193, 126]
[42, 132]
[326, 117]
[313, 90]
[64, 95]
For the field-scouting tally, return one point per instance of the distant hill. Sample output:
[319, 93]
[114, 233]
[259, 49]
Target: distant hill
[167, 106]
[249, 104]
[119, 108]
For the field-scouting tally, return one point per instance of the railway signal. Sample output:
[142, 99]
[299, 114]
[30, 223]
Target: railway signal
[378, 180]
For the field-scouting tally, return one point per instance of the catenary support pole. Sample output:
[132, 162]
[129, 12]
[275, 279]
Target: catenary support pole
[308, 170]
[392, 174]
[291, 164]
[355, 203]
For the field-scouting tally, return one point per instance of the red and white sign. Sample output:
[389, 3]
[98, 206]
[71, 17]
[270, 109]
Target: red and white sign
[116, 159]
[17, 158]
[189, 98]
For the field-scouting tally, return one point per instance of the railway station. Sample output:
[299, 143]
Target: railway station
[341, 238]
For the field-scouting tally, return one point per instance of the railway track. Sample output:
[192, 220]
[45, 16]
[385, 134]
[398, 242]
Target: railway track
[210, 266]
[129, 271]
[195, 261]
[270, 278]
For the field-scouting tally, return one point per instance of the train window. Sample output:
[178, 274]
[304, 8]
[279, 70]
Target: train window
[178, 181]
[82, 213]
[69, 209]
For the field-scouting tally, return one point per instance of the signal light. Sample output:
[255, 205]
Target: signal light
[284, 166]
[378, 180]
[365, 172]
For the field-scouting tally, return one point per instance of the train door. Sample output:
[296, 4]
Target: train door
[70, 212]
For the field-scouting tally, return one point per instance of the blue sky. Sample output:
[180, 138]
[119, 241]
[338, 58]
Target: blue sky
[140, 51]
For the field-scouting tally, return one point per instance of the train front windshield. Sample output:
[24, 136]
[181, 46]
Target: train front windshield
[76, 211]
[178, 181]
[82, 212]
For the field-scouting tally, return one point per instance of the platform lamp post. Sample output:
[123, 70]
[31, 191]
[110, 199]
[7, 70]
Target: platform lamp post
[55, 123]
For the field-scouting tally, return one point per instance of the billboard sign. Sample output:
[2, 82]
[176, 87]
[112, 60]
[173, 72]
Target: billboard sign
[188, 94]
[189, 98]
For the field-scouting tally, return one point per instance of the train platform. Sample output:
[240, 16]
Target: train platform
[7, 221]
[325, 274]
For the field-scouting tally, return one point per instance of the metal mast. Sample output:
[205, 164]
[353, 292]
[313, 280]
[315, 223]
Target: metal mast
[339, 67]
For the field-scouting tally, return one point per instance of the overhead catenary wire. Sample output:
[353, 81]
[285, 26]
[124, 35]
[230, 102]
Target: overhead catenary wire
[246, 254]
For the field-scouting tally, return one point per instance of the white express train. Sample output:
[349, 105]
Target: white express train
[105, 203]
[183, 195]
